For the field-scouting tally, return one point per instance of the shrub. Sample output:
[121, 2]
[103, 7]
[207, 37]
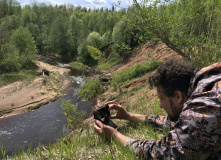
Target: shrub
[94, 39]
[78, 66]
[96, 54]
[74, 116]
[91, 88]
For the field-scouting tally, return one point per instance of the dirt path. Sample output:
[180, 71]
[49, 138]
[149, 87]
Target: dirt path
[19, 97]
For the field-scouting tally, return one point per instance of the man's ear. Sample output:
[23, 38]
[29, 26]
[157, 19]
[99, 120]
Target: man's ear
[179, 97]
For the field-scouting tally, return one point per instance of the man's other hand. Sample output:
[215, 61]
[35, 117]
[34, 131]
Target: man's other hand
[121, 112]
[103, 130]
[108, 132]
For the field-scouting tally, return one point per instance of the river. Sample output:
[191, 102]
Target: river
[42, 126]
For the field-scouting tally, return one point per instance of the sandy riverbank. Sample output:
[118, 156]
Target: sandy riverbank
[19, 97]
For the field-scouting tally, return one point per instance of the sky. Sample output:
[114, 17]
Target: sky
[84, 3]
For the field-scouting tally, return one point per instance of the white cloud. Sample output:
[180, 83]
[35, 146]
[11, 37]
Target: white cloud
[52, 2]
[97, 2]
[85, 3]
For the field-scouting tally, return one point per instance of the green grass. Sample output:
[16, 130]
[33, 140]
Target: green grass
[24, 75]
[91, 88]
[135, 71]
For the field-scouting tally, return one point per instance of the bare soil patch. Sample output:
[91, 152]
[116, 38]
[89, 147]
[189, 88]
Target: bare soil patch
[149, 50]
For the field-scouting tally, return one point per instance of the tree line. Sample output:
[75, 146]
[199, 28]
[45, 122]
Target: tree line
[189, 27]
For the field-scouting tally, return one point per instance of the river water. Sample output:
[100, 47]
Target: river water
[42, 126]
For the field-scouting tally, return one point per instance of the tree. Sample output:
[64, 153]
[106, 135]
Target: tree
[25, 44]
[76, 34]
[58, 36]
[3, 8]
[149, 13]
[4, 39]
[94, 39]
[83, 54]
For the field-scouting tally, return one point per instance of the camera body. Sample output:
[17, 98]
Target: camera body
[102, 115]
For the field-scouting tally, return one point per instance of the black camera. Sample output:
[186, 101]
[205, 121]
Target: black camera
[102, 115]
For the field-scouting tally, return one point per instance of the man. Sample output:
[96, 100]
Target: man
[194, 104]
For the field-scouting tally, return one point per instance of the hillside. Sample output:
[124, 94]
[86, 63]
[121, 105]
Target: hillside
[147, 51]
[135, 97]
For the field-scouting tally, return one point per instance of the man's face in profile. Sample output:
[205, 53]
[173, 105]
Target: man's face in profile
[168, 104]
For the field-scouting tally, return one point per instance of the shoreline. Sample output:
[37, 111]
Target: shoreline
[20, 97]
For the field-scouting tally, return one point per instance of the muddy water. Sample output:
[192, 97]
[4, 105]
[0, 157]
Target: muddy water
[44, 125]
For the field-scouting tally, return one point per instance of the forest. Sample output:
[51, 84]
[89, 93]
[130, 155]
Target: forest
[189, 27]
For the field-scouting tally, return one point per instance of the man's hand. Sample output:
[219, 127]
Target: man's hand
[121, 112]
[108, 132]
[103, 130]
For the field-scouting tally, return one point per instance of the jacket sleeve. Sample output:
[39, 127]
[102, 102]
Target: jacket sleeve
[181, 143]
[159, 121]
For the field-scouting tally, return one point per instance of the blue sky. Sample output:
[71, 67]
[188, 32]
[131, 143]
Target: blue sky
[86, 3]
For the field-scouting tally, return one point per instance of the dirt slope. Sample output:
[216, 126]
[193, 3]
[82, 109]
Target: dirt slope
[150, 50]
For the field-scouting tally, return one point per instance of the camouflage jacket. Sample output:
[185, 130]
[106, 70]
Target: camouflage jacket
[197, 133]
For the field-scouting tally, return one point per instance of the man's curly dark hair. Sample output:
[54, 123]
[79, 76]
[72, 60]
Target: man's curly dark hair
[173, 75]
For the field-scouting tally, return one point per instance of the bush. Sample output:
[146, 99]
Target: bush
[74, 117]
[94, 39]
[91, 88]
[80, 67]
[96, 54]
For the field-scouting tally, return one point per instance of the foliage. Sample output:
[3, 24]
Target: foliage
[121, 36]
[25, 45]
[96, 54]
[91, 88]
[76, 34]
[83, 54]
[78, 66]
[58, 36]
[94, 40]
[74, 116]
[114, 57]
[188, 27]
[11, 61]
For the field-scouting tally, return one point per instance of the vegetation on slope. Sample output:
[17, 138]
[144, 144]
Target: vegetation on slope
[84, 143]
